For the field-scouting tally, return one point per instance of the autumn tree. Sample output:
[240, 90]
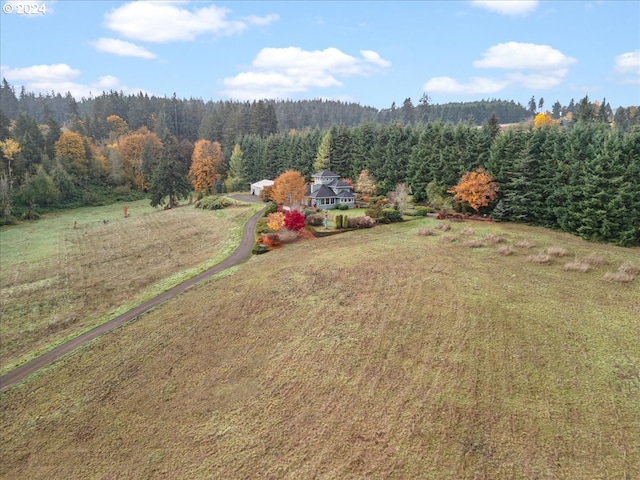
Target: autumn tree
[207, 165]
[294, 220]
[70, 149]
[366, 184]
[137, 166]
[289, 188]
[476, 188]
[117, 127]
[10, 150]
[400, 198]
[543, 120]
[275, 221]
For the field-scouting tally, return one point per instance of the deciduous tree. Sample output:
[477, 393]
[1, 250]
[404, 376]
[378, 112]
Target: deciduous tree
[207, 165]
[294, 220]
[131, 148]
[70, 149]
[275, 221]
[476, 189]
[366, 184]
[289, 188]
[543, 120]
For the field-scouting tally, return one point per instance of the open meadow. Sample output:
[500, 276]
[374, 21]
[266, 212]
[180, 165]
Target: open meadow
[73, 270]
[404, 351]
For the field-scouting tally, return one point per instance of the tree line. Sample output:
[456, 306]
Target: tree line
[577, 173]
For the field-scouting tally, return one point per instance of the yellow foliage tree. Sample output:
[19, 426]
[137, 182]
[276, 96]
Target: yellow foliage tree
[69, 148]
[476, 188]
[543, 120]
[207, 165]
[10, 150]
[117, 126]
[365, 184]
[275, 221]
[289, 188]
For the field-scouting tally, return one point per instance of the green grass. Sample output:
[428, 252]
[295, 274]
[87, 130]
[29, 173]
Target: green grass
[74, 270]
[378, 353]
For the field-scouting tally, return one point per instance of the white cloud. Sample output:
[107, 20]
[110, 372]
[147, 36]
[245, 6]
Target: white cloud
[266, 20]
[373, 57]
[59, 78]
[627, 65]
[530, 56]
[155, 21]
[122, 48]
[529, 65]
[280, 72]
[540, 80]
[450, 86]
[46, 73]
[507, 7]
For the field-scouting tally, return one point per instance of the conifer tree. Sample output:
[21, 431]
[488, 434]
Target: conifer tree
[170, 177]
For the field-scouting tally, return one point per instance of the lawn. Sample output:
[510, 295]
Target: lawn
[75, 269]
[380, 353]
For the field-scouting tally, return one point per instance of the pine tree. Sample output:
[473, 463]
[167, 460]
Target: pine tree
[170, 177]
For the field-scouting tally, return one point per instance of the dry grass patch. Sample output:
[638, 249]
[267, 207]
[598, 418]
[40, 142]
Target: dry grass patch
[426, 232]
[630, 269]
[494, 239]
[473, 244]
[576, 266]
[459, 365]
[594, 260]
[445, 227]
[505, 250]
[467, 231]
[620, 277]
[556, 251]
[448, 238]
[541, 258]
[525, 244]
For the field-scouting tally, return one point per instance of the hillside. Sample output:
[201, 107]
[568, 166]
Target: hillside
[372, 354]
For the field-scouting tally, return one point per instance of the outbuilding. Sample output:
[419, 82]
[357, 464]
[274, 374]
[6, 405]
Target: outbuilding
[257, 187]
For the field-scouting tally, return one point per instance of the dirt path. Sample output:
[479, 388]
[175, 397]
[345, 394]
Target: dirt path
[240, 255]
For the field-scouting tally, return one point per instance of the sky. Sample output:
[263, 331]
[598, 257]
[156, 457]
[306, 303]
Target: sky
[370, 52]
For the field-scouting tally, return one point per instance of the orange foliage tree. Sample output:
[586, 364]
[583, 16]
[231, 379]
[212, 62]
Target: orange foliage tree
[137, 163]
[289, 188]
[275, 221]
[475, 188]
[207, 165]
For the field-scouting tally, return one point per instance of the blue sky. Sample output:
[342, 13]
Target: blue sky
[373, 52]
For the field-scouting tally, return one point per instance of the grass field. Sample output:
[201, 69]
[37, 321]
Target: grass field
[73, 270]
[381, 353]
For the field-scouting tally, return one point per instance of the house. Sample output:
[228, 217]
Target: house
[327, 191]
[257, 187]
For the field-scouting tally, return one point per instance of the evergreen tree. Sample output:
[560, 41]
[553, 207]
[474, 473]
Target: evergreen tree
[493, 126]
[170, 177]
[323, 160]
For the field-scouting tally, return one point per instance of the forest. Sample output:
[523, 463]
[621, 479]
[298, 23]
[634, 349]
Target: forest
[574, 168]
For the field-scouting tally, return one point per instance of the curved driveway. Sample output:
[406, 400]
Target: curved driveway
[241, 254]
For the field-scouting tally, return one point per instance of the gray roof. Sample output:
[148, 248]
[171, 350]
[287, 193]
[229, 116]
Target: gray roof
[326, 174]
[323, 192]
[345, 194]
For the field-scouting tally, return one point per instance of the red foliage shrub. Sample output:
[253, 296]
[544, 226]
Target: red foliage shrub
[294, 220]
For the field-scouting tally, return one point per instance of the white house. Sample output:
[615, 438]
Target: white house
[257, 187]
[327, 191]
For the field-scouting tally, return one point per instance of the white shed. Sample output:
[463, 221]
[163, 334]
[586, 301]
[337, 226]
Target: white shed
[257, 187]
